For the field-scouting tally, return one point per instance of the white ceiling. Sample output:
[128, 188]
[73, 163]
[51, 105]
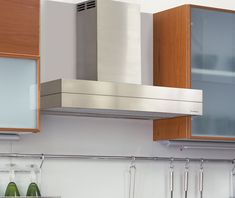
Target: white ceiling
[153, 6]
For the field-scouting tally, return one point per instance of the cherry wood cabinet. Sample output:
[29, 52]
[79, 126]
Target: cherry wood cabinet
[19, 65]
[19, 32]
[194, 48]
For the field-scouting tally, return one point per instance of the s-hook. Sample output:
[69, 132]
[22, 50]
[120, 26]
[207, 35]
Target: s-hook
[232, 184]
[186, 178]
[201, 178]
[42, 161]
[132, 176]
[172, 177]
[233, 170]
[40, 169]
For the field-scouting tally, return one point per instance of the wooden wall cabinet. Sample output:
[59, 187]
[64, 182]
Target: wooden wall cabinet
[19, 65]
[194, 47]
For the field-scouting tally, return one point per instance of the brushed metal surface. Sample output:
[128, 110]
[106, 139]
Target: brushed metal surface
[119, 100]
[120, 89]
[87, 44]
[109, 42]
[119, 42]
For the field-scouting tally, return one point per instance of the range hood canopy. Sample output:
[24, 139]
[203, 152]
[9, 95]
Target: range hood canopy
[118, 100]
[109, 68]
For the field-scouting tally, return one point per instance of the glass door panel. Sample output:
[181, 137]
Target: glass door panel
[18, 93]
[213, 71]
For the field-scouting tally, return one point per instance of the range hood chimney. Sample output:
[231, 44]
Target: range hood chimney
[109, 41]
[109, 71]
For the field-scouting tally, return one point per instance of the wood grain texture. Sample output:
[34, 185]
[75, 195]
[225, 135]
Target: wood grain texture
[172, 129]
[19, 26]
[172, 60]
[12, 130]
[14, 55]
[172, 48]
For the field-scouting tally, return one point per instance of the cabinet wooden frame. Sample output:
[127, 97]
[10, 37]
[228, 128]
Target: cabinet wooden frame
[37, 59]
[20, 26]
[172, 67]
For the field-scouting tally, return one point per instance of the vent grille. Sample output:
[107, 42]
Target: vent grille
[81, 7]
[86, 5]
[90, 4]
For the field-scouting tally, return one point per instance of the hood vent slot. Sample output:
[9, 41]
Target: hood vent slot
[81, 7]
[90, 4]
[85, 6]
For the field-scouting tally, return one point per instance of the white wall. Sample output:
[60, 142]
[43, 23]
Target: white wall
[74, 135]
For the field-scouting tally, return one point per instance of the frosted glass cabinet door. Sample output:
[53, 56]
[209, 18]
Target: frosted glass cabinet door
[18, 93]
[213, 71]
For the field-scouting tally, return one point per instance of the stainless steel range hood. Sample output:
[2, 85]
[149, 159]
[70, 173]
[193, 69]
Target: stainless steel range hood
[118, 100]
[109, 71]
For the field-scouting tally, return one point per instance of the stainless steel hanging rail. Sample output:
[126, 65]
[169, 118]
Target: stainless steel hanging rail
[100, 157]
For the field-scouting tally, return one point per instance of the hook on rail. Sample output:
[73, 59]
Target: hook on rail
[233, 170]
[42, 161]
[187, 164]
[172, 163]
[171, 177]
[201, 164]
[132, 177]
[201, 178]
[133, 160]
